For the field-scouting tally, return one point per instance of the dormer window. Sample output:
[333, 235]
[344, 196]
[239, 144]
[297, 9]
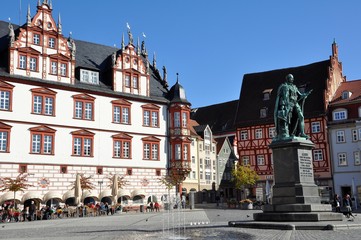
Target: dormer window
[346, 94]
[267, 94]
[340, 114]
[263, 113]
[87, 76]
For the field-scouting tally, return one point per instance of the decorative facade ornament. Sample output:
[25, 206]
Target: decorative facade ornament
[11, 35]
[154, 61]
[123, 46]
[165, 76]
[138, 48]
[28, 16]
[59, 24]
[114, 58]
[144, 182]
[43, 182]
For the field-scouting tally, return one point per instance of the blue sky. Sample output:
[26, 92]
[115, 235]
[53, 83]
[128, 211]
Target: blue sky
[213, 43]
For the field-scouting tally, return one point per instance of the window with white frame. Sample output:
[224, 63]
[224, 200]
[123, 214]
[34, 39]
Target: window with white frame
[339, 115]
[54, 68]
[184, 119]
[271, 132]
[33, 64]
[122, 146]
[83, 143]
[342, 159]
[127, 80]
[315, 127]
[258, 133]
[43, 102]
[260, 160]
[22, 62]
[317, 155]
[87, 76]
[354, 133]
[244, 135]
[340, 136]
[245, 161]
[263, 112]
[177, 152]
[63, 69]
[150, 115]
[135, 81]
[4, 137]
[52, 42]
[42, 140]
[177, 119]
[121, 112]
[83, 107]
[356, 157]
[5, 99]
[36, 39]
[151, 148]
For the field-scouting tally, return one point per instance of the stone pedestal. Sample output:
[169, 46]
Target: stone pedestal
[295, 195]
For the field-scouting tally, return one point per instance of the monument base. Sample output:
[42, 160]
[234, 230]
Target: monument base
[295, 196]
[297, 216]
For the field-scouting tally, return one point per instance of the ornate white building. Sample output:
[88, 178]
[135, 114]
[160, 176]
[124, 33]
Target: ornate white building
[69, 106]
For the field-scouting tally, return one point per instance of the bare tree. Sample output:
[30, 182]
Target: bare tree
[20, 183]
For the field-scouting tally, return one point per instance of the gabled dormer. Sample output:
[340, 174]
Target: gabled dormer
[40, 50]
[131, 68]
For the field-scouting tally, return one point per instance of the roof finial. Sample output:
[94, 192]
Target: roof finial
[123, 47]
[177, 77]
[59, 24]
[50, 4]
[28, 16]
[154, 61]
[138, 48]
[39, 3]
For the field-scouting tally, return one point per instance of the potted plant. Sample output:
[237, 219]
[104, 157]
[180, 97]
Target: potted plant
[246, 204]
[232, 203]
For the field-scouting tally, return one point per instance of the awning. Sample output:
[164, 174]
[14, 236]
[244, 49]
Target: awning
[53, 195]
[36, 196]
[9, 196]
[105, 193]
[68, 194]
[138, 192]
[88, 193]
[124, 193]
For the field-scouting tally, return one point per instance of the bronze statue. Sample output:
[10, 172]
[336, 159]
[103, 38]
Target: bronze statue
[288, 114]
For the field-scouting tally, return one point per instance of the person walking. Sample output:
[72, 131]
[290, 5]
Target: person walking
[32, 211]
[337, 203]
[347, 203]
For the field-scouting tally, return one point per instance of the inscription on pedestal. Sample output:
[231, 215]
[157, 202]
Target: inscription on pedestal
[305, 165]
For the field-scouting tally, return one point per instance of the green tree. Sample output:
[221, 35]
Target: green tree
[20, 183]
[244, 176]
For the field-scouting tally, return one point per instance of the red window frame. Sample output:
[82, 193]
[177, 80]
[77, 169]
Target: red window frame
[84, 98]
[83, 134]
[151, 141]
[42, 131]
[151, 108]
[43, 93]
[122, 104]
[6, 128]
[122, 138]
[6, 87]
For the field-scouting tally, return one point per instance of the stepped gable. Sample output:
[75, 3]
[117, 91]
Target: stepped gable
[313, 76]
[219, 117]
[90, 56]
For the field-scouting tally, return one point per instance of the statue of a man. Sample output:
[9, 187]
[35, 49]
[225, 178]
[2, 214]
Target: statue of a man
[288, 114]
